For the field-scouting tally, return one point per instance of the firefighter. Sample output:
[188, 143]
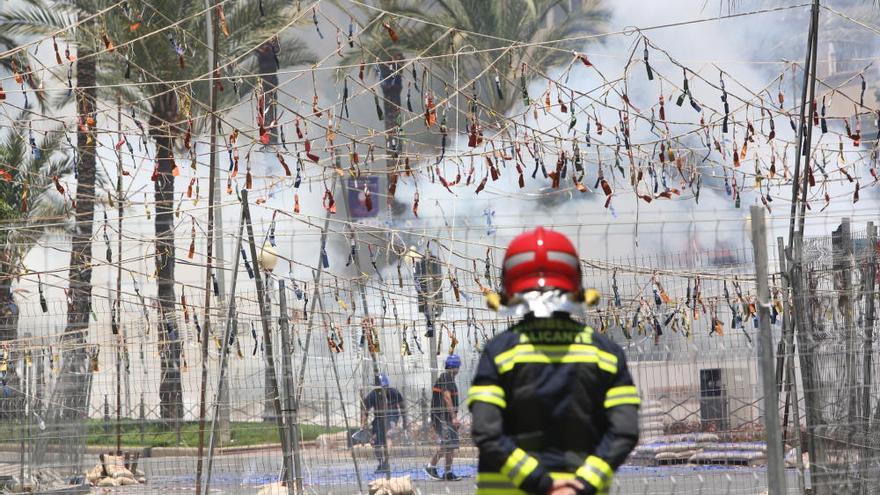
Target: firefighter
[553, 405]
[388, 407]
[444, 419]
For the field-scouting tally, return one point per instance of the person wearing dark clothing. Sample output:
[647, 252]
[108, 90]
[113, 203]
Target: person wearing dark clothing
[388, 408]
[444, 419]
[553, 405]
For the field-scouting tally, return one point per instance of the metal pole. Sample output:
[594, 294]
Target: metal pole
[268, 403]
[290, 405]
[326, 410]
[224, 351]
[432, 343]
[869, 278]
[791, 395]
[775, 456]
[805, 346]
[142, 418]
[220, 274]
[23, 419]
[804, 124]
[267, 338]
[797, 277]
[810, 76]
[212, 173]
[123, 344]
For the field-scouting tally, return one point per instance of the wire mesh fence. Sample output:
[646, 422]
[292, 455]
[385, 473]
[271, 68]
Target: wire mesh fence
[122, 406]
[836, 358]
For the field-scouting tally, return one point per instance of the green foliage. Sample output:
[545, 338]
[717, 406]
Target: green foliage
[24, 222]
[7, 212]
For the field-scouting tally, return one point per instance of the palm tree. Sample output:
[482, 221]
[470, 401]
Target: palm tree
[482, 27]
[30, 207]
[155, 59]
[20, 63]
[486, 26]
[39, 19]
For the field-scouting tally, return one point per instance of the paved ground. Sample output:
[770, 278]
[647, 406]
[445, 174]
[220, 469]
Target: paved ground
[333, 473]
[330, 473]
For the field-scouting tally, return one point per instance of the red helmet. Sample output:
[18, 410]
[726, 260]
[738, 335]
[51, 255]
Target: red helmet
[541, 259]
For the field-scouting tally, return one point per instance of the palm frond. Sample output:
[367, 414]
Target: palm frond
[50, 213]
[36, 20]
[118, 89]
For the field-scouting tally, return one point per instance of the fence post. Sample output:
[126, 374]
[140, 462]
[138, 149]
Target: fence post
[24, 419]
[290, 404]
[213, 192]
[423, 405]
[869, 277]
[106, 416]
[265, 316]
[775, 457]
[142, 417]
[326, 410]
[791, 393]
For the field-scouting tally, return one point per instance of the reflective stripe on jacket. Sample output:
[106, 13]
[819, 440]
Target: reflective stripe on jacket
[551, 396]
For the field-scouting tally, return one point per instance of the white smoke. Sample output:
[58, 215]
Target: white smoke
[738, 46]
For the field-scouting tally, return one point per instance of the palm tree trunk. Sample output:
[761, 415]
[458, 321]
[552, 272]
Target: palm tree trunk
[70, 397]
[73, 386]
[392, 88]
[269, 75]
[80, 270]
[170, 387]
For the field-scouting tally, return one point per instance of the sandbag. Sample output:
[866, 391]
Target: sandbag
[123, 473]
[676, 447]
[736, 446]
[95, 474]
[113, 464]
[125, 481]
[108, 481]
[727, 457]
[393, 486]
[675, 456]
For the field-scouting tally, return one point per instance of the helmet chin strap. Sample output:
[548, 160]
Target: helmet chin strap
[543, 304]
